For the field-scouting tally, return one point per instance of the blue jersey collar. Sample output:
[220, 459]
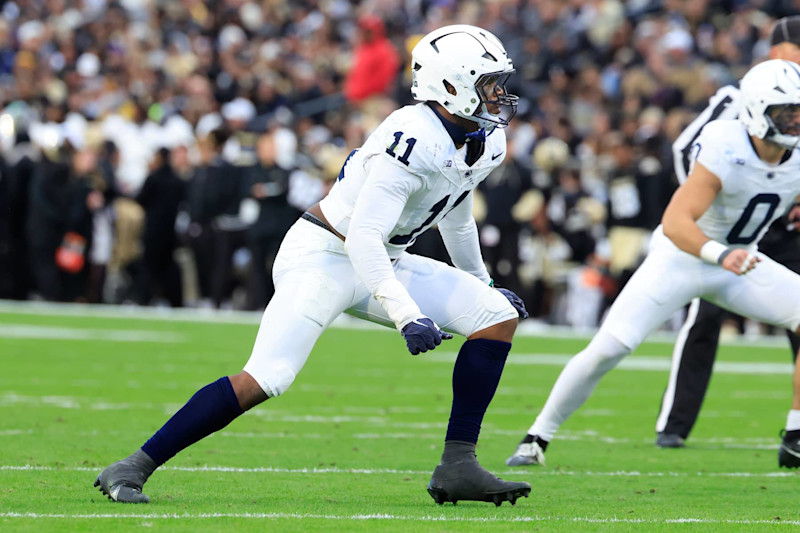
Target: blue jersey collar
[457, 133]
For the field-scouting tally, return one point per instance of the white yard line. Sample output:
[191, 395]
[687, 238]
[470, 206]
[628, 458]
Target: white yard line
[528, 328]
[70, 402]
[12, 432]
[27, 331]
[394, 517]
[392, 471]
[639, 362]
[377, 426]
[722, 443]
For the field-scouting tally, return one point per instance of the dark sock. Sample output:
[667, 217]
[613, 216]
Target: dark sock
[475, 377]
[210, 409]
[792, 435]
[539, 440]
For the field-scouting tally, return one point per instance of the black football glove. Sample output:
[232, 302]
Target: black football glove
[422, 335]
[516, 301]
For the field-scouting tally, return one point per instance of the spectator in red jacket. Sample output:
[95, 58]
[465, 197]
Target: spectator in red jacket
[375, 63]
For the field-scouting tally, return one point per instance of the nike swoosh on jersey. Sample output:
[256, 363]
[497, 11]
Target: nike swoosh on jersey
[497, 155]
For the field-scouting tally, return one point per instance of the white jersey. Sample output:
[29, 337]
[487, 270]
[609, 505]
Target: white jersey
[724, 105]
[426, 169]
[754, 193]
[407, 177]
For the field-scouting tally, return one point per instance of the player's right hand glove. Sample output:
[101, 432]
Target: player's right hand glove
[422, 335]
[516, 301]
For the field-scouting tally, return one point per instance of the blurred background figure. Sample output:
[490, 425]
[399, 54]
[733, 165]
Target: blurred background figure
[160, 196]
[17, 163]
[375, 61]
[269, 187]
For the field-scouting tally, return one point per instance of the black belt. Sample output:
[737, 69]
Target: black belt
[314, 220]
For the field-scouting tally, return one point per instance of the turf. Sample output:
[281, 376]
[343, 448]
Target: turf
[351, 446]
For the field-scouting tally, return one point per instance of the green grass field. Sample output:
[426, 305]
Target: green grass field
[351, 446]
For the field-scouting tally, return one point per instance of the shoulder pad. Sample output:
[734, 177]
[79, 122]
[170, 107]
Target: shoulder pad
[722, 145]
[411, 139]
[720, 132]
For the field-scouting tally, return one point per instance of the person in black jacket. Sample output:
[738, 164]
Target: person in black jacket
[202, 200]
[160, 196]
[269, 187]
[6, 276]
[500, 232]
[59, 222]
[17, 166]
[47, 222]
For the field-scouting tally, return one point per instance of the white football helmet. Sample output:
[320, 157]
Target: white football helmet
[474, 62]
[771, 102]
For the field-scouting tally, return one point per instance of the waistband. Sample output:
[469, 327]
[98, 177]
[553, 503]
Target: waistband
[317, 222]
[314, 220]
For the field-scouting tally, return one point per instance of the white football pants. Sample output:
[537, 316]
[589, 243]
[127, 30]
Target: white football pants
[667, 280]
[315, 282]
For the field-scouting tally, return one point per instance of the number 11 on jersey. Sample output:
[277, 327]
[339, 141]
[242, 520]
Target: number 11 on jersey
[410, 142]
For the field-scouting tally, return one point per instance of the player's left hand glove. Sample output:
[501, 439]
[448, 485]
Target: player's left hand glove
[422, 335]
[516, 301]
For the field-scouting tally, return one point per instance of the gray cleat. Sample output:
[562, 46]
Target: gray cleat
[461, 477]
[669, 440]
[123, 481]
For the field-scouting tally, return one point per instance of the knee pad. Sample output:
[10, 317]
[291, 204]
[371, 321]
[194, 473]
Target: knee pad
[607, 350]
[493, 308]
[274, 380]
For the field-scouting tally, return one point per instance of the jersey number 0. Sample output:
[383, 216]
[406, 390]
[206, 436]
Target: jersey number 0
[735, 235]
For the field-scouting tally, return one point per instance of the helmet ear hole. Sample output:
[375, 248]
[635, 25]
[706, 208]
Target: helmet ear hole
[449, 87]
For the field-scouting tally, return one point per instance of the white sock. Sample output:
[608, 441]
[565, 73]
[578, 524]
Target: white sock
[793, 420]
[577, 381]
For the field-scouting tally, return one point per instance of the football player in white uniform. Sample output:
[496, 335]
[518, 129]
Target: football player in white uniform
[347, 254]
[745, 174]
[697, 341]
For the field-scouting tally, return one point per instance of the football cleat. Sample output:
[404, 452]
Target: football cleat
[670, 440]
[463, 478]
[789, 452]
[528, 453]
[123, 481]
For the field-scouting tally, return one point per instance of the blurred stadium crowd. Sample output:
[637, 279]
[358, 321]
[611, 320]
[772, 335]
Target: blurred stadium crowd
[155, 151]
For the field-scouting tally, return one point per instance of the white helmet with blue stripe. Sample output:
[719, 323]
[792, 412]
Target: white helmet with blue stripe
[771, 102]
[464, 68]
